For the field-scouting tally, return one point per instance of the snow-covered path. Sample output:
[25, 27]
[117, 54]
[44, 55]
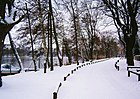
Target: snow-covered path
[100, 81]
[97, 81]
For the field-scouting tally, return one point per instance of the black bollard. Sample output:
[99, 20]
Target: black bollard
[65, 78]
[54, 95]
[71, 71]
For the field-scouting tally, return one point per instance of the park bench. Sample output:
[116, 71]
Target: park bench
[30, 69]
[134, 70]
[132, 67]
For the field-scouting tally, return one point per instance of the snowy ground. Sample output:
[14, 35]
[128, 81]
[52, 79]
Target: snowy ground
[97, 81]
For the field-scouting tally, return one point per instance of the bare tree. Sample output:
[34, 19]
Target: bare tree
[5, 27]
[91, 16]
[75, 26]
[37, 27]
[52, 33]
[66, 44]
[31, 38]
[72, 7]
[43, 33]
[124, 14]
[109, 45]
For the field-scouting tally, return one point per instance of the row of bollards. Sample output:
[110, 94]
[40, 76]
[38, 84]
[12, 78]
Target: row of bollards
[72, 72]
[80, 66]
[56, 91]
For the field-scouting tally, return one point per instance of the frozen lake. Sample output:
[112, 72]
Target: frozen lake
[28, 63]
[26, 60]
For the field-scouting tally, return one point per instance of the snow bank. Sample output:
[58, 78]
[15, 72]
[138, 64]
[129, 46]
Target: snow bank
[95, 81]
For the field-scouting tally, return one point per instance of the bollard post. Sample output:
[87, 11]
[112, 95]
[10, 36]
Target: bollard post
[71, 71]
[54, 95]
[138, 77]
[45, 66]
[128, 73]
[65, 78]
[68, 75]
[77, 68]
[118, 68]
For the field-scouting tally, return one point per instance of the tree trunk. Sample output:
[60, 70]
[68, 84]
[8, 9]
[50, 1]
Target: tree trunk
[1, 50]
[75, 30]
[51, 47]
[51, 35]
[67, 49]
[3, 32]
[85, 48]
[4, 29]
[43, 34]
[32, 45]
[130, 42]
[15, 52]
[129, 56]
[56, 41]
[47, 58]
[91, 46]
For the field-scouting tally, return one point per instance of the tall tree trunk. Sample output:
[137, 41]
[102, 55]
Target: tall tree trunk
[1, 50]
[48, 29]
[67, 49]
[51, 46]
[32, 45]
[75, 30]
[51, 35]
[43, 34]
[56, 41]
[15, 52]
[2, 38]
[92, 36]
[86, 55]
[130, 41]
[91, 46]
[129, 56]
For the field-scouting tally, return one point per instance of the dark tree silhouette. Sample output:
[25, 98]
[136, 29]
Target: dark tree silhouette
[124, 14]
[5, 27]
